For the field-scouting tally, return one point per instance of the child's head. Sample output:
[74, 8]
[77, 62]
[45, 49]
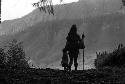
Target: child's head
[64, 50]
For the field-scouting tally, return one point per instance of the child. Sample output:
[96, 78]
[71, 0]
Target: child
[64, 61]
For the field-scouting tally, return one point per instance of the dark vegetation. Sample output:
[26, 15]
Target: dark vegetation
[113, 59]
[14, 69]
[13, 56]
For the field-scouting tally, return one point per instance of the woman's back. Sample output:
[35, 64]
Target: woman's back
[73, 41]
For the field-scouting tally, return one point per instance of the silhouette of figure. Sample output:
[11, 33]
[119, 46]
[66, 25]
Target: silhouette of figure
[72, 45]
[64, 61]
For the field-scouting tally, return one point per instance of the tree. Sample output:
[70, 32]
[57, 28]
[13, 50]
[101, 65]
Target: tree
[45, 5]
[16, 55]
[2, 58]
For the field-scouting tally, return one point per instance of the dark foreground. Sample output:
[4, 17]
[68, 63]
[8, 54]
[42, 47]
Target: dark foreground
[50, 76]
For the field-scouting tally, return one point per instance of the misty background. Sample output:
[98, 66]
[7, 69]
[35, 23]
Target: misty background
[44, 35]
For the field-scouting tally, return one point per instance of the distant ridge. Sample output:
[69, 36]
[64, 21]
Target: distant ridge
[75, 10]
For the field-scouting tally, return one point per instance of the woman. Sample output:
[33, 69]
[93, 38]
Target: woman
[72, 45]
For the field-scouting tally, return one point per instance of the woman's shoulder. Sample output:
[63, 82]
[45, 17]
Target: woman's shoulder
[78, 36]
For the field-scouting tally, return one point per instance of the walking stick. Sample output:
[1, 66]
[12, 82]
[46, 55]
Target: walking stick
[83, 48]
[83, 59]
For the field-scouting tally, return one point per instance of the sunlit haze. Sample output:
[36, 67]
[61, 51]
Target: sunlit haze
[12, 9]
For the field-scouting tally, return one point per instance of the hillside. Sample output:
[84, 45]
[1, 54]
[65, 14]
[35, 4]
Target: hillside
[43, 41]
[75, 10]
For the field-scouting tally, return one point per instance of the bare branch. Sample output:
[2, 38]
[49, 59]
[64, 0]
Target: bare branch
[45, 5]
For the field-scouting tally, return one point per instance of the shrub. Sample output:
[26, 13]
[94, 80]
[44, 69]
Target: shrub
[16, 55]
[2, 58]
[113, 59]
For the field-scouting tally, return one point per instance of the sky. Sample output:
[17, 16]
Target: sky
[12, 9]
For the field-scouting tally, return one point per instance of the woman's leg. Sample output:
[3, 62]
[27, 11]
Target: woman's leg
[75, 60]
[75, 63]
[71, 61]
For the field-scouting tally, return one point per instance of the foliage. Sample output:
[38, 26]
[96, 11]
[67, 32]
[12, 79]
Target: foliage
[16, 55]
[13, 56]
[2, 58]
[45, 5]
[113, 59]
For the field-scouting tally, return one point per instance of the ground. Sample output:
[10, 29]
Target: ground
[52, 76]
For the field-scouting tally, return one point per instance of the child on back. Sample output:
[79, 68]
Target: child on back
[64, 61]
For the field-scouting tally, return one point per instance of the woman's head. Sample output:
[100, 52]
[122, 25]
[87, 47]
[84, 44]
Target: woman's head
[73, 28]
